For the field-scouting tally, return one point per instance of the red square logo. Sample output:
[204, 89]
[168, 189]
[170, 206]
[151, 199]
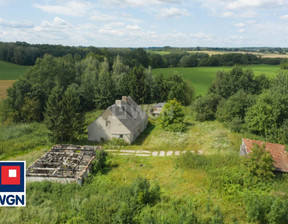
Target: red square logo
[10, 175]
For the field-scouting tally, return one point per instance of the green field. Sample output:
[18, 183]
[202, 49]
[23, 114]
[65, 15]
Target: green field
[9, 71]
[202, 77]
[158, 52]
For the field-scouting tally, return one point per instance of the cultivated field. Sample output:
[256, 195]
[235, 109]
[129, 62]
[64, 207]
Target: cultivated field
[4, 85]
[8, 74]
[202, 77]
[158, 52]
[10, 71]
[263, 55]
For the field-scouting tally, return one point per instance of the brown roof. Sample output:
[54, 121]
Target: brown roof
[277, 152]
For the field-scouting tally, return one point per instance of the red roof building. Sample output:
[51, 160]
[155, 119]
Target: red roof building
[277, 151]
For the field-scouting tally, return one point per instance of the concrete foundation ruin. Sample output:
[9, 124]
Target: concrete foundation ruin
[64, 164]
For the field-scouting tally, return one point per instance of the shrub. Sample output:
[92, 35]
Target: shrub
[259, 165]
[235, 106]
[99, 162]
[279, 212]
[143, 192]
[172, 117]
[257, 208]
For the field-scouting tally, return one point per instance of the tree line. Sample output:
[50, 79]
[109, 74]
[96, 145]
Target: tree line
[58, 90]
[246, 102]
[23, 53]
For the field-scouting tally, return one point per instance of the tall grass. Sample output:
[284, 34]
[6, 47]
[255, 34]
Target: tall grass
[21, 138]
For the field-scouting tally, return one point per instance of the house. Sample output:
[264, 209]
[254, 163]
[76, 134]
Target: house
[124, 119]
[157, 109]
[63, 164]
[277, 152]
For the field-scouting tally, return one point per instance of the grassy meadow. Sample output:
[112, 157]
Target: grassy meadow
[202, 77]
[9, 71]
[202, 183]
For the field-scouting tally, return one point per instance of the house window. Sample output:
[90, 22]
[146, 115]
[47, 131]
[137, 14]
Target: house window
[108, 123]
[120, 136]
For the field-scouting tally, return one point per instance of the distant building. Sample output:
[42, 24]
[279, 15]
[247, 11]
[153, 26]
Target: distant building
[157, 109]
[124, 119]
[277, 152]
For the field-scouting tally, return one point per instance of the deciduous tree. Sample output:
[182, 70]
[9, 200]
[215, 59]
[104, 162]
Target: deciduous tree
[171, 117]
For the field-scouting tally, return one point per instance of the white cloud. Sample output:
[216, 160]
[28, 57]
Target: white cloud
[284, 17]
[71, 8]
[244, 4]
[247, 14]
[6, 2]
[98, 16]
[133, 27]
[57, 24]
[173, 12]
[138, 3]
[16, 24]
[228, 14]
[239, 24]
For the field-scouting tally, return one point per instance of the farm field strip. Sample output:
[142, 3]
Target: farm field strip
[202, 77]
[263, 55]
[9, 71]
[4, 85]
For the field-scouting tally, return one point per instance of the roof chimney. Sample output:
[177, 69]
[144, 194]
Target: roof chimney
[124, 98]
[118, 103]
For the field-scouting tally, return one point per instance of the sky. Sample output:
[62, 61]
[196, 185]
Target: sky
[146, 23]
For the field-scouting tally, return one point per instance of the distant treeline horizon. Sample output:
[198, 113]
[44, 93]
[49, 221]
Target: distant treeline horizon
[23, 53]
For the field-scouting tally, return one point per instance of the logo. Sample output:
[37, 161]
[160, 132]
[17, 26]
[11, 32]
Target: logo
[12, 183]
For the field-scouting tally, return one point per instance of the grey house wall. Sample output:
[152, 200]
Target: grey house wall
[124, 119]
[107, 126]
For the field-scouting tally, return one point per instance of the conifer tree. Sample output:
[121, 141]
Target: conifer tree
[63, 116]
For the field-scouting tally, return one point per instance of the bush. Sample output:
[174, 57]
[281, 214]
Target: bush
[259, 165]
[206, 107]
[279, 212]
[235, 106]
[143, 192]
[171, 117]
[115, 143]
[257, 208]
[236, 124]
[99, 162]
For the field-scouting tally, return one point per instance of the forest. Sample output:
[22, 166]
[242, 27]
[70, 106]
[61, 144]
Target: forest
[22, 53]
[60, 90]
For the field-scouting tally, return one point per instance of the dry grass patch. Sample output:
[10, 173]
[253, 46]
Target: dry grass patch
[4, 85]
[263, 55]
